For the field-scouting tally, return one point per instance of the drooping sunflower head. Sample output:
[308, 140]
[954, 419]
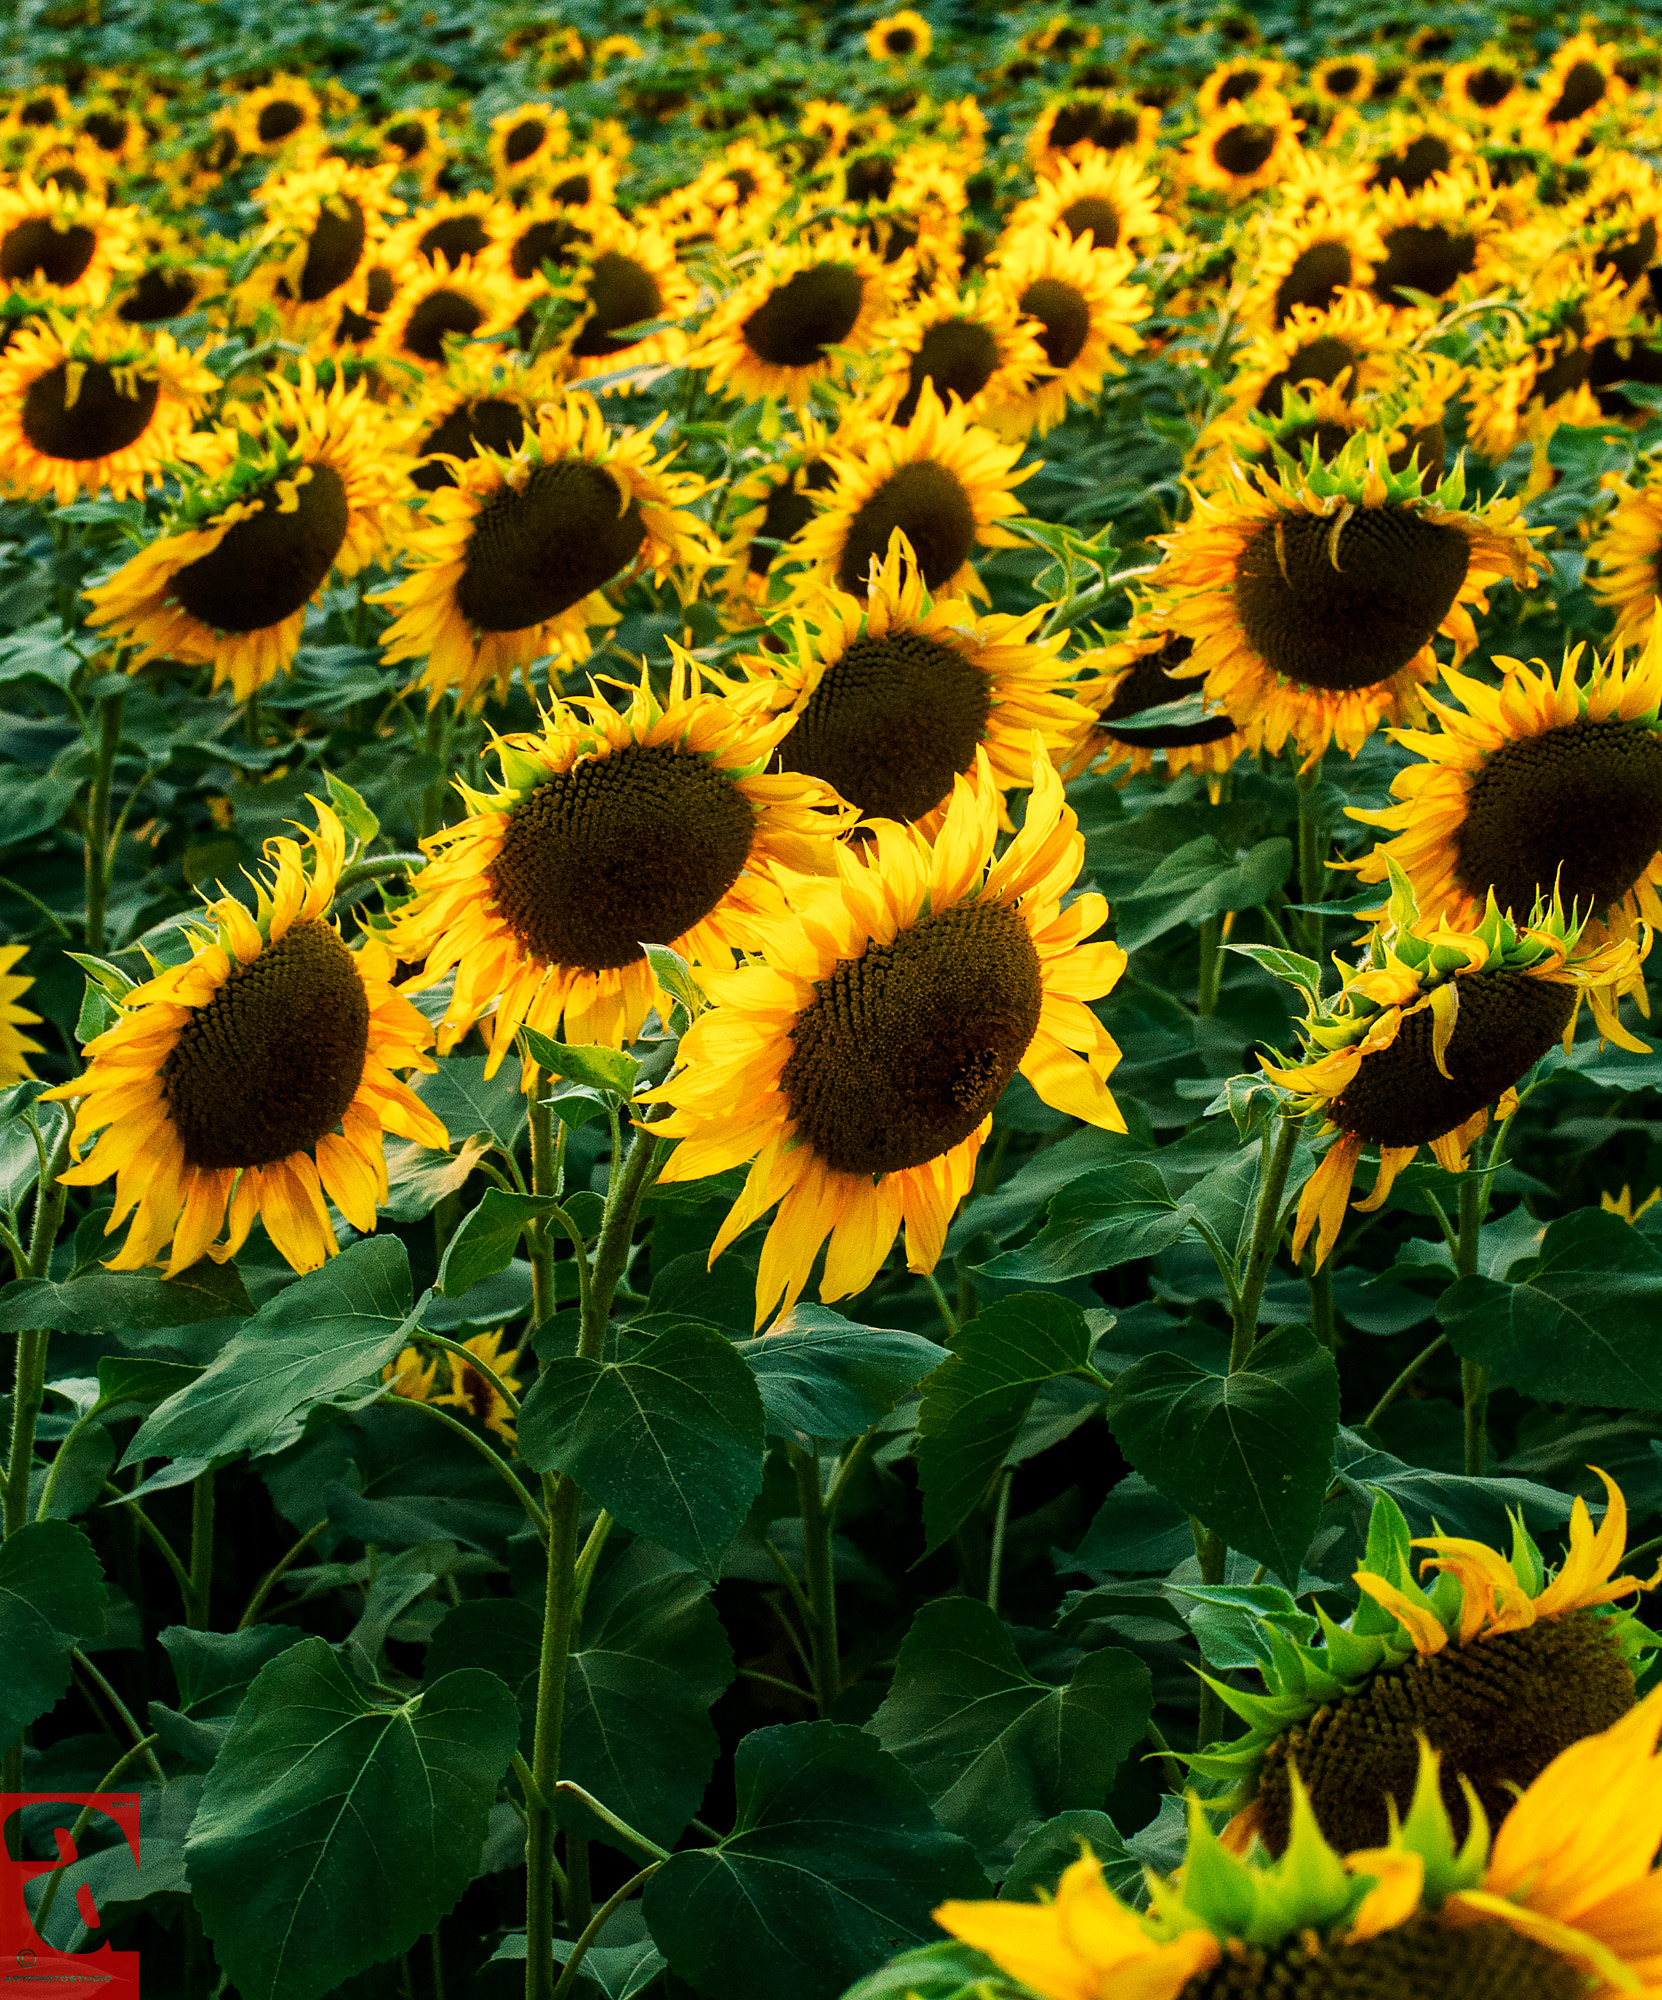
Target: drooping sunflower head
[324, 227]
[526, 141]
[254, 1080]
[856, 1063]
[456, 234]
[1148, 707]
[905, 37]
[278, 117]
[88, 404]
[309, 482]
[731, 198]
[171, 277]
[478, 404]
[1408, 150]
[808, 310]
[1626, 554]
[1313, 596]
[62, 248]
[1438, 236]
[16, 1047]
[1535, 372]
[1091, 121]
[1545, 783]
[1354, 345]
[72, 166]
[1437, 1027]
[611, 829]
[1559, 1903]
[1244, 148]
[1494, 1664]
[1107, 199]
[895, 696]
[1084, 315]
[511, 560]
[944, 482]
[1310, 258]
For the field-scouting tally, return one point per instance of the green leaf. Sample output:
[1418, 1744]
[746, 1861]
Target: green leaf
[598, 1067]
[214, 1671]
[124, 1301]
[52, 1597]
[418, 1178]
[975, 1403]
[460, 1097]
[1104, 1218]
[946, 1970]
[674, 975]
[1054, 1847]
[670, 1443]
[1585, 1327]
[31, 804]
[360, 823]
[330, 1331]
[19, 1157]
[834, 1863]
[994, 1749]
[1249, 1454]
[1200, 880]
[333, 1834]
[134, 1378]
[823, 1376]
[486, 1239]
[1289, 965]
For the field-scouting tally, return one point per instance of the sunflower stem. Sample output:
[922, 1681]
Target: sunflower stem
[1001, 1523]
[1403, 1380]
[1320, 1281]
[1474, 1377]
[273, 1576]
[1312, 860]
[1211, 965]
[563, 1503]
[1276, 1160]
[374, 869]
[822, 1588]
[596, 1924]
[201, 1548]
[98, 846]
[29, 1379]
[1213, 1556]
[543, 1182]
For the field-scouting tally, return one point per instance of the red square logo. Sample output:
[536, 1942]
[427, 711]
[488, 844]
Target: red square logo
[28, 1964]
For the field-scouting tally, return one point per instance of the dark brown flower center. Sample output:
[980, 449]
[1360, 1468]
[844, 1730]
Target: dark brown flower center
[622, 294]
[800, 319]
[1093, 213]
[630, 848]
[1089, 118]
[1242, 84]
[551, 241]
[101, 419]
[456, 237]
[106, 129]
[271, 1063]
[1323, 360]
[409, 136]
[1419, 1960]
[787, 513]
[265, 568]
[492, 422]
[333, 248]
[905, 1050]
[1314, 280]
[1629, 258]
[159, 294]
[1490, 86]
[1568, 371]
[893, 721]
[1151, 683]
[1582, 803]
[870, 178]
[434, 319]
[958, 356]
[930, 507]
[37, 249]
[1064, 316]
[1343, 80]
[1425, 257]
[523, 140]
[277, 120]
[1415, 164]
[1507, 1022]
[1582, 88]
[1345, 608]
[1241, 150]
[537, 552]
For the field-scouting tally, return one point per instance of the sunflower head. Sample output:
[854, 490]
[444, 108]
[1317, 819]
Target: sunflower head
[1148, 707]
[324, 225]
[905, 37]
[1083, 314]
[526, 141]
[1106, 200]
[62, 248]
[1091, 121]
[1244, 148]
[16, 1047]
[278, 117]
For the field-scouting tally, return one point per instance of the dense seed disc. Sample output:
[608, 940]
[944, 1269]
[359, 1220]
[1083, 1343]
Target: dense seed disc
[1243, 149]
[1628, 259]
[332, 253]
[1398, 1097]
[622, 293]
[870, 178]
[787, 513]
[1348, 611]
[158, 295]
[574, 190]
[278, 120]
[1419, 1960]
[41, 111]
[1064, 316]
[1323, 359]
[266, 567]
[958, 356]
[492, 421]
[410, 137]
[1582, 88]
[904, 1050]
[900, 41]
[106, 129]
[1088, 118]
[524, 140]
[438, 315]
[1426, 256]
[101, 419]
[1314, 281]
[1151, 684]
[1242, 84]
[929, 505]
[1415, 164]
[800, 319]
[1582, 803]
[1343, 80]
[893, 721]
[631, 848]
[34, 249]
[456, 237]
[537, 552]
[1497, 1711]
[271, 1062]
[551, 241]
[1096, 213]
[1490, 86]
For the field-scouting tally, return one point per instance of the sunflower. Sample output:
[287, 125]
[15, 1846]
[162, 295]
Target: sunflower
[1239, 80]
[1408, 150]
[546, 230]
[1310, 258]
[37, 110]
[1130, 686]
[15, 1046]
[1437, 235]
[91, 404]
[1084, 314]
[74, 167]
[974, 347]
[1487, 87]
[455, 234]
[256, 1079]
[1623, 1204]
[413, 140]
[899, 38]
[733, 193]
[509, 562]
[610, 829]
[116, 131]
[1494, 1666]
[1244, 148]
[1535, 784]
[1313, 596]
[1354, 344]
[169, 278]
[1626, 552]
[277, 115]
[943, 482]
[1561, 1902]
[324, 228]
[1346, 79]
[1582, 78]
[1096, 121]
[895, 696]
[1535, 374]
[627, 277]
[61, 247]
[857, 1063]
[478, 404]
[525, 142]
[1106, 200]
[433, 305]
[773, 506]
[471, 1389]
[309, 485]
[1435, 1027]
[809, 307]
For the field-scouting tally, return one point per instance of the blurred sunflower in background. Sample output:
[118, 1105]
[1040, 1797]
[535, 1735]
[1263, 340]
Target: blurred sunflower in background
[1143, 707]
[1084, 315]
[1109, 200]
[64, 248]
[277, 116]
[899, 38]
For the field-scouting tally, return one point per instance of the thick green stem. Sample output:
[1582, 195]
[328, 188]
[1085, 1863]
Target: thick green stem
[543, 1183]
[83, 1820]
[1474, 1377]
[1213, 1557]
[1277, 1159]
[617, 1232]
[1211, 965]
[1312, 859]
[29, 1378]
[1001, 1522]
[201, 1548]
[375, 869]
[98, 855]
[822, 1589]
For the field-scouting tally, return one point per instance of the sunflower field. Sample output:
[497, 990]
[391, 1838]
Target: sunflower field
[830, 1147]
